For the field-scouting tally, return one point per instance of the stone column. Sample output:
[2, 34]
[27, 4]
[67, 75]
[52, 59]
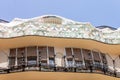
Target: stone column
[64, 57]
[16, 60]
[8, 66]
[26, 56]
[101, 62]
[37, 56]
[73, 57]
[47, 56]
[82, 57]
[92, 57]
[54, 57]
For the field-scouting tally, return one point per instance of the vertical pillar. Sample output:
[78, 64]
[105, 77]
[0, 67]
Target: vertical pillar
[92, 66]
[54, 57]
[23, 61]
[64, 57]
[114, 68]
[92, 57]
[101, 62]
[47, 56]
[73, 57]
[39, 59]
[8, 65]
[37, 56]
[16, 64]
[26, 56]
[82, 57]
[8, 62]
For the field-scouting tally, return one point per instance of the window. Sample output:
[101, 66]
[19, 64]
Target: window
[89, 56]
[78, 63]
[32, 61]
[70, 63]
[51, 61]
[97, 65]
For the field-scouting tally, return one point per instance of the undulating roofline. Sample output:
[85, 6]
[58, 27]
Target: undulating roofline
[62, 27]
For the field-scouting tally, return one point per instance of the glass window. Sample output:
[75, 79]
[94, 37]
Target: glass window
[51, 62]
[70, 63]
[32, 62]
[78, 63]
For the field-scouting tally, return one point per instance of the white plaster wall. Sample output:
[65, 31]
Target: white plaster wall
[4, 58]
[117, 64]
[110, 63]
[59, 56]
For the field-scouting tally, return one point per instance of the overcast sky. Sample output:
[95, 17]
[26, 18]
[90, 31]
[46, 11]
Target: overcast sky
[98, 12]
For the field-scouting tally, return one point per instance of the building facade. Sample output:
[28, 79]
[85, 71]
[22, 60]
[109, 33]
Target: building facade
[54, 43]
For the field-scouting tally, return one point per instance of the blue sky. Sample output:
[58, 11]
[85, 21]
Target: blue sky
[98, 12]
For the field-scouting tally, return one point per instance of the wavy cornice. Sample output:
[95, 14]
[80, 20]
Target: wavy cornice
[68, 29]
